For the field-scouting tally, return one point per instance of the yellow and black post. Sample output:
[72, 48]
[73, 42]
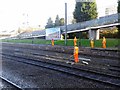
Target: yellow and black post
[76, 51]
[104, 42]
[75, 41]
[92, 43]
[52, 42]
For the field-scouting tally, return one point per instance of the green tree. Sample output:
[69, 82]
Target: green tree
[73, 21]
[62, 21]
[118, 6]
[49, 23]
[57, 21]
[118, 19]
[85, 11]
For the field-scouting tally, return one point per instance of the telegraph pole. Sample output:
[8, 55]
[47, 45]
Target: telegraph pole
[65, 23]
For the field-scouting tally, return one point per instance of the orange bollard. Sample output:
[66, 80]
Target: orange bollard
[52, 42]
[104, 42]
[76, 50]
[92, 44]
[75, 41]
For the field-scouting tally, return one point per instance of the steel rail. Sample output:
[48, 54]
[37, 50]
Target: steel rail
[34, 53]
[34, 56]
[65, 69]
[49, 58]
[15, 85]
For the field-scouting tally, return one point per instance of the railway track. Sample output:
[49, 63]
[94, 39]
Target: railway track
[49, 60]
[51, 54]
[11, 84]
[30, 53]
[79, 72]
[98, 52]
[115, 68]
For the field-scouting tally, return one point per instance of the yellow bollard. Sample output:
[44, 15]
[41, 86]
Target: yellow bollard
[52, 42]
[75, 41]
[76, 50]
[104, 42]
[92, 44]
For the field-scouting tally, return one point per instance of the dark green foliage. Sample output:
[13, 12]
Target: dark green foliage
[119, 7]
[62, 22]
[49, 23]
[109, 33]
[85, 11]
[118, 19]
[82, 35]
[57, 21]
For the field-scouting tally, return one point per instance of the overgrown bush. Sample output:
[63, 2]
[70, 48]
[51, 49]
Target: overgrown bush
[109, 33]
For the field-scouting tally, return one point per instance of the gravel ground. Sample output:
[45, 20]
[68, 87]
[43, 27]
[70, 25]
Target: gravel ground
[108, 52]
[95, 63]
[28, 76]
[6, 86]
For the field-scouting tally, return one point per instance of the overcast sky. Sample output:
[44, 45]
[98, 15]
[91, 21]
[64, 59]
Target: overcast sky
[14, 12]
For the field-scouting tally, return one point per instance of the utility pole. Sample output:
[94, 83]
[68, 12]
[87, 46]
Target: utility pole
[65, 23]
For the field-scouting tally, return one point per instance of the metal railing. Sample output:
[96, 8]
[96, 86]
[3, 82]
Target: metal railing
[110, 19]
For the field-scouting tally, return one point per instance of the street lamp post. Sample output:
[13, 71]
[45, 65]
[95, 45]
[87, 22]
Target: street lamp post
[65, 23]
